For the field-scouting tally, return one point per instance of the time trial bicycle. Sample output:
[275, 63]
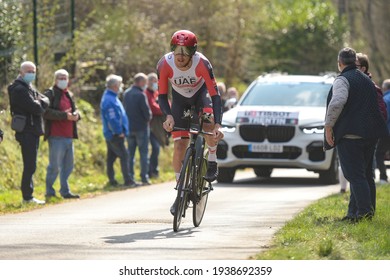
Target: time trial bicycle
[192, 189]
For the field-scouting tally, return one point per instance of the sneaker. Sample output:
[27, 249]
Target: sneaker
[173, 207]
[342, 190]
[382, 182]
[146, 183]
[130, 184]
[71, 196]
[212, 172]
[34, 200]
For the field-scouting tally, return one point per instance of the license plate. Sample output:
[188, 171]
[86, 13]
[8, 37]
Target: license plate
[265, 148]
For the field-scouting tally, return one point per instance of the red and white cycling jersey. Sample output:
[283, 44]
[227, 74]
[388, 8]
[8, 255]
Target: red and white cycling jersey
[186, 83]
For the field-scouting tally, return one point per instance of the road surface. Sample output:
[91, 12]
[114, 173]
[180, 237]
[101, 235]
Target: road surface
[240, 221]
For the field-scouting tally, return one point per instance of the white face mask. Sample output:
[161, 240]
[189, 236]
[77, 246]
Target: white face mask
[62, 84]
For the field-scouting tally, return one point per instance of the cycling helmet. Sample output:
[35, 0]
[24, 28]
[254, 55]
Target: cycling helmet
[186, 40]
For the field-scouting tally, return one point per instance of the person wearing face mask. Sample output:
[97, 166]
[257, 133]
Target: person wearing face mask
[26, 101]
[139, 114]
[158, 136]
[115, 130]
[60, 129]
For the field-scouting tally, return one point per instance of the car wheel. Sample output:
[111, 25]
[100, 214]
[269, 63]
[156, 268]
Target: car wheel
[331, 176]
[226, 175]
[263, 171]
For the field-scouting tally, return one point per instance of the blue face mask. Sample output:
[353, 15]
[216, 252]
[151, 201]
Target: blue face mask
[29, 77]
[155, 86]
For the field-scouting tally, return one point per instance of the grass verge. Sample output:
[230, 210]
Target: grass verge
[317, 233]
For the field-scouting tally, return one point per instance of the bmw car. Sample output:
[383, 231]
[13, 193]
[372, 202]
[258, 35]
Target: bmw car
[278, 123]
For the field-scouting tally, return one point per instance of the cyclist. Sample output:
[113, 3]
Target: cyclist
[193, 83]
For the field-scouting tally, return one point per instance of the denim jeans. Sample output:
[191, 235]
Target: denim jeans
[356, 159]
[60, 161]
[116, 149]
[140, 139]
[153, 161]
[29, 144]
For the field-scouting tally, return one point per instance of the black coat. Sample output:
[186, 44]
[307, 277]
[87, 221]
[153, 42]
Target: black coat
[27, 101]
[361, 115]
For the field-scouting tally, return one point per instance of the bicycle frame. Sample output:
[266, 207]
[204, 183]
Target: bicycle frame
[196, 145]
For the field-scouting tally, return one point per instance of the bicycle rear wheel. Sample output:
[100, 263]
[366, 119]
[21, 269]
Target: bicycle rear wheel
[182, 191]
[200, 192]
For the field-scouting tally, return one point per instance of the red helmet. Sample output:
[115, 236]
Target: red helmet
[186, 39]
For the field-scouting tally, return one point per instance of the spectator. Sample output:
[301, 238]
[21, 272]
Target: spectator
[157, 118]
[232, 97]
[115, 129]
[222, 91]
[384, 143]
[60, 129]
[27, 101]
[1, 135]
[354, 127]
[362, 64]
[139, 114]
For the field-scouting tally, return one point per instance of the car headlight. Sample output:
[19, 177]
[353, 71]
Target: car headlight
[315, 128]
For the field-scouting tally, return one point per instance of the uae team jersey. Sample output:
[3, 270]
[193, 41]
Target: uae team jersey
[186, 83]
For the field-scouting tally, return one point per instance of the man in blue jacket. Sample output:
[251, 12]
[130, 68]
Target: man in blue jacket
[139, 114]
[115, 129]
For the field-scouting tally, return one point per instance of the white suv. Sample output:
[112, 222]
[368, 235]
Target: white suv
[278, 123]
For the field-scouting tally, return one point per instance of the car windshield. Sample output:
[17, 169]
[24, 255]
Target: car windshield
[287, 94]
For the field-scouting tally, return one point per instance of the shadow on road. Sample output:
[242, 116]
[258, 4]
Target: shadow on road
[284, 182]
[150, 235]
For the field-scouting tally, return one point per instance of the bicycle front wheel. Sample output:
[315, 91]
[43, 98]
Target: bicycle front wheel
[199, 186]
[182, 190]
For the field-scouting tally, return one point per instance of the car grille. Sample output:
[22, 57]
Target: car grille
[289, 152]
[274, 133]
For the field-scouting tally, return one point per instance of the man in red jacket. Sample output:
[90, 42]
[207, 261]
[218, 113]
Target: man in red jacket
[61, 119]
[151, 93]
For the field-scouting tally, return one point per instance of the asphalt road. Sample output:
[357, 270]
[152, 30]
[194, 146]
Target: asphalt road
[240, 221]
